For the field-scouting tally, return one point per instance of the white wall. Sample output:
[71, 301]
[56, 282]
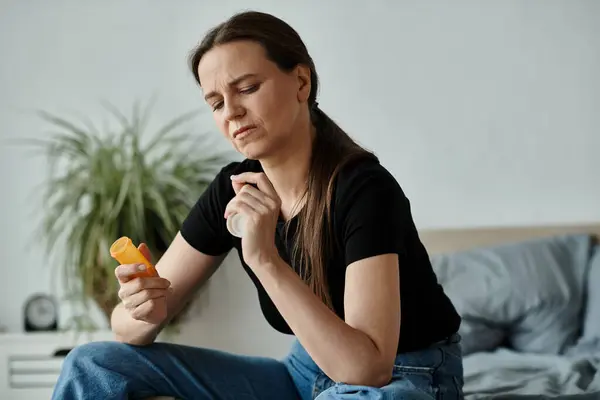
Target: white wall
[488, 113]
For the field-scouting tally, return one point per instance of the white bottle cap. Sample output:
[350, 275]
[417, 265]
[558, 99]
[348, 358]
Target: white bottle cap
[236, 224]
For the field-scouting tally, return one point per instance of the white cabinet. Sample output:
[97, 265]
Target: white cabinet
[29, 364]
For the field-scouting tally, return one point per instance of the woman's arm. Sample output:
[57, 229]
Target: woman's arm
[186, 269]
[360, 350]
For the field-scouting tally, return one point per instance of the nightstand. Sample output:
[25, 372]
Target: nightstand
[30, 362]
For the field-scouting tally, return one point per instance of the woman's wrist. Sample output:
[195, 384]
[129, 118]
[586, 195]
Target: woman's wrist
[267, 263]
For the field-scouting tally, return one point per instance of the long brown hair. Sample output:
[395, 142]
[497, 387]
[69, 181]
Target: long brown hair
[332, 148]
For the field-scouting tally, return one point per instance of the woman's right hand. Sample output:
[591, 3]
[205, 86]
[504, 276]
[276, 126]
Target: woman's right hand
[145, 298]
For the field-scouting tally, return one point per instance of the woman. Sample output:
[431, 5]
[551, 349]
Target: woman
[329, 243]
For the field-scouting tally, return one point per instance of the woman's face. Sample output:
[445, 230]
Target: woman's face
[256, 105]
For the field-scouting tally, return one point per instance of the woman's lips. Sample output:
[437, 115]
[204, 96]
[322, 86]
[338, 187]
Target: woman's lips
[243, 131]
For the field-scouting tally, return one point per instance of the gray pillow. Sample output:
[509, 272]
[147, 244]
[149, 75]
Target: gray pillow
[591, 321]
[527, 295]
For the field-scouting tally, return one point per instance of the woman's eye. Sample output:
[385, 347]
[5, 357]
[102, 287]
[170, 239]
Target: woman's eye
[218, 105]
[250, 89]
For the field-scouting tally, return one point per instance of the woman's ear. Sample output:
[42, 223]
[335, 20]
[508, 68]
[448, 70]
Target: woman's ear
[304, 83]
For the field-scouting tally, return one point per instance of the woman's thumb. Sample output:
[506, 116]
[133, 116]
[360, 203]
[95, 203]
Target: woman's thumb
[143, 248]
[237, 186]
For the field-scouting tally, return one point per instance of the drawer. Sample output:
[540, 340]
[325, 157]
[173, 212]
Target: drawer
[31, 363]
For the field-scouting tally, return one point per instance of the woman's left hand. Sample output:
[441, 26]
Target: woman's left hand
[261, 207]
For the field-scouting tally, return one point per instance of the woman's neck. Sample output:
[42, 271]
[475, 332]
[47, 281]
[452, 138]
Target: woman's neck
[288, 172]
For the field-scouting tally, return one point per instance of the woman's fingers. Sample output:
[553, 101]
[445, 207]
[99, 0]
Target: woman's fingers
[145, 250]
[140, 298]
[127, 272]
[269, 202]
[137, 285]
[254, 198]
[246, 201]
[257, 178]
[239, 206]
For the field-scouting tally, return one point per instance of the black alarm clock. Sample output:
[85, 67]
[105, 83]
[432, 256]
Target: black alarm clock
[40, 313]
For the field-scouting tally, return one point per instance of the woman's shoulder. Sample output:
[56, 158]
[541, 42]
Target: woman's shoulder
[367, 191]
[365, 173]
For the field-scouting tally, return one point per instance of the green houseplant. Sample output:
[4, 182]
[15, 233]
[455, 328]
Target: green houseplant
[107, 183]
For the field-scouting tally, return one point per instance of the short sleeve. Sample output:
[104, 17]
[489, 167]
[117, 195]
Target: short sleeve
[205, 228]
[374, 213]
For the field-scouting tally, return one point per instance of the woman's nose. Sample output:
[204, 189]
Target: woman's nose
[232, 110]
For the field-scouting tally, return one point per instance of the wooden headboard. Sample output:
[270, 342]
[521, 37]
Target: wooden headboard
[449, 240]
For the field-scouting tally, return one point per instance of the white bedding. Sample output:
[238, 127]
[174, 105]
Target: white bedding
[506, 374]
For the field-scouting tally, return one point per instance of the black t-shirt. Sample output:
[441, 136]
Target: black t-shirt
[371, 216]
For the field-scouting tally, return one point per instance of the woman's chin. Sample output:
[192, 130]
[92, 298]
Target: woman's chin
[254, 151]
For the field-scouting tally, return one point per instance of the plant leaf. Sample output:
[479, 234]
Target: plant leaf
[103, 184]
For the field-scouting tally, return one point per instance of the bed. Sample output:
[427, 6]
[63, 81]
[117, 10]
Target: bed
[530, 302]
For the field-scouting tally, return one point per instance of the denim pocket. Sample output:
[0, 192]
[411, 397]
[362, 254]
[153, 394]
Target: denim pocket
[409, 369]
[418, 382]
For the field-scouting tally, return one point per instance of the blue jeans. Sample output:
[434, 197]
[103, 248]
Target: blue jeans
[113, 370]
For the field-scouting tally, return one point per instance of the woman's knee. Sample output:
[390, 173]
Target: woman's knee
[95, 354]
